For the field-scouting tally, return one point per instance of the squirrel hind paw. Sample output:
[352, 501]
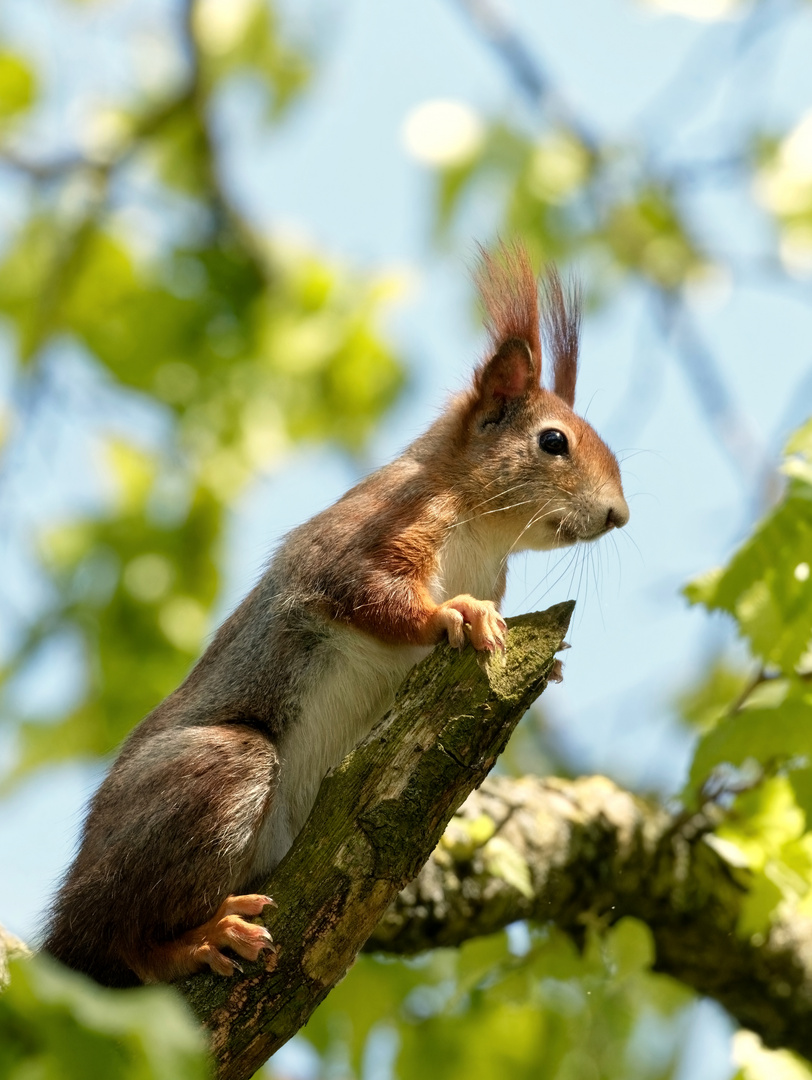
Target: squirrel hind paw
[229, 929]
[232, 932]
[201, 947]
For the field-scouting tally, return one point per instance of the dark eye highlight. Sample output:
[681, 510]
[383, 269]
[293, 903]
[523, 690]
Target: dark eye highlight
[553, 441]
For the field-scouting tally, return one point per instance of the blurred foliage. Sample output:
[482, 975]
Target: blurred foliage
[137, 583]
[755, 750]
[757, 1063]
[133, 253]
[568, 198]
[508, 1005]
[240, 345]
[58, 1025]
[17, 86]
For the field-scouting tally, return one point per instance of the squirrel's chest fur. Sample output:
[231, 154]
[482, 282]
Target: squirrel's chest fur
[354, 685]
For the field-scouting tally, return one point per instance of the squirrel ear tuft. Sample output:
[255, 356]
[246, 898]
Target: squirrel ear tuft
[510, 373]
[509, 294]
[560, 327]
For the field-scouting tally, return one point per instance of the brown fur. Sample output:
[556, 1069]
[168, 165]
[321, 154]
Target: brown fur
[209, 790]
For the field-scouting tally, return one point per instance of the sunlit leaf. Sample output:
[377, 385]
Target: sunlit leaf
[18, 86]
[763, 821]
[756, 1062]
[705, 704]
[504, 861]
[767, 586]
[764, 735]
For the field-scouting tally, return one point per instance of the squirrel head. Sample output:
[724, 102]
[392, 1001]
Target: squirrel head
[533, 467]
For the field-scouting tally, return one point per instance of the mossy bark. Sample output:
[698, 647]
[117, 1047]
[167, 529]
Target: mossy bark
[594, 854]
[377, 818]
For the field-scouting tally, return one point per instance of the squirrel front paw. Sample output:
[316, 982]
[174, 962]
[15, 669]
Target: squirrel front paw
[478, 620]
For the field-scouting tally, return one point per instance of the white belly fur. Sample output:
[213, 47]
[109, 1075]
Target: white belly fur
[356, 690]
[343, 706]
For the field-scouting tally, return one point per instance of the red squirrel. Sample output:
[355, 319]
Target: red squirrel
[209, 791]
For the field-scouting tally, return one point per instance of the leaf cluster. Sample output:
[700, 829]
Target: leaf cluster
[521, 1004]
[754, 754]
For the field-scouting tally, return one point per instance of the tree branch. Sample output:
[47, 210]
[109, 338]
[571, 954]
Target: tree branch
[376, 821]
[595, 854]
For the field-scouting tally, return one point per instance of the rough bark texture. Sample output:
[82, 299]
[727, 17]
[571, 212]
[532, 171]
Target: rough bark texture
[594, 853]
[375, 823]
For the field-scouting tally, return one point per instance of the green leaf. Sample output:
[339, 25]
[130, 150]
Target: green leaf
[58, 1025]
[758, 905]
[504, 861]
[765, 829]
[374, 992]
[767, 586]
[764, 735]
[630, 945]
[649, 236]
[800, 442]
[763, 821]
[482, 960]
[703, 588]
[801, 780]
[708, 702]
[18, 86]
[28, 272]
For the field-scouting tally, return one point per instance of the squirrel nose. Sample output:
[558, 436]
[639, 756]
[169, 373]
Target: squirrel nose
[617, 515]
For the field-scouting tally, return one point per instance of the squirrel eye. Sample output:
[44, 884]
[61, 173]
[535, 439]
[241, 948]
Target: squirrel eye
[553, 441]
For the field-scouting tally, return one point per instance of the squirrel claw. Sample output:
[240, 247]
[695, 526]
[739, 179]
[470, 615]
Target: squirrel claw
[229, 929]
[477, 620]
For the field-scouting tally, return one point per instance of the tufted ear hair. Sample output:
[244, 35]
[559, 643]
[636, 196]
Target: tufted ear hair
[509, 293]
[561, 326]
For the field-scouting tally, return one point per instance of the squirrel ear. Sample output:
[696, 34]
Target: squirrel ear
[509, 374]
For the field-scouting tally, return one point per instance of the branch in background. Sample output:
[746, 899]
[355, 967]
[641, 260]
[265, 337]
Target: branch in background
[595, 854]
[376, 821]
[524, 68]
[743, 448]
